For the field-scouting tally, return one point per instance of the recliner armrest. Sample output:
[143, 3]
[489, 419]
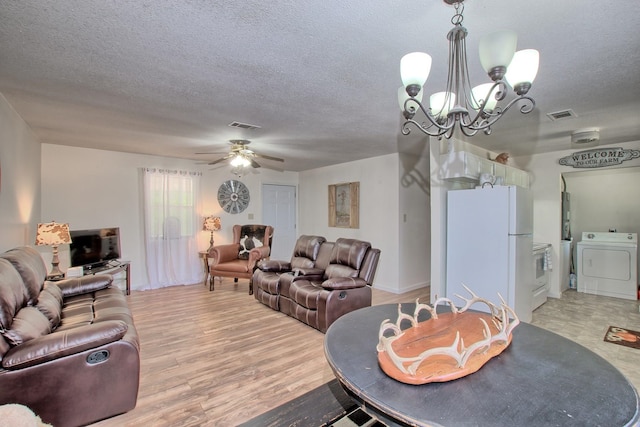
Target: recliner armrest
[59, 344]
[84, 284]
[308, 272]
[339, 283]
[274, 266]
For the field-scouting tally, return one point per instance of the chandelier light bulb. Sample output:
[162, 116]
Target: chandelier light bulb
[523, 69]
[496, 52]
[441, 103]
[415, 68]
[481, 93]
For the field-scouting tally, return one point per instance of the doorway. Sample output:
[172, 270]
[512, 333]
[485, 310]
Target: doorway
[279, 207]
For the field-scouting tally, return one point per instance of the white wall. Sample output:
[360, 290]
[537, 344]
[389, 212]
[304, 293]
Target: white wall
[253, 214]
[380, 216]
[95, 188]
[547, 185]
[604, 199]
[19, 180]
[414, 252]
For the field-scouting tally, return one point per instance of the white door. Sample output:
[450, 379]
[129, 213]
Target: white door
[279, 211]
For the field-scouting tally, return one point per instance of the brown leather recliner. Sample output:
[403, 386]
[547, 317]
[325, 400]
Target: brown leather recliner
[69, 350]
[337, 284]
[251, 243]
[268, 274]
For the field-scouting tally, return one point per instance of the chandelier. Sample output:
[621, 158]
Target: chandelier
[472, 109]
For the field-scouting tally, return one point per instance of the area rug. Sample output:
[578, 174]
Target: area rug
[622, 336]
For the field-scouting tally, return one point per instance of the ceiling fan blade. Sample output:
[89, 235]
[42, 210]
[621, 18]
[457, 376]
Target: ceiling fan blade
[264, 156]
[218, 161]
[213, 152]
[254, 164]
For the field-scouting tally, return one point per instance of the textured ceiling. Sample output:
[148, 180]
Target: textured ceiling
[319, 77]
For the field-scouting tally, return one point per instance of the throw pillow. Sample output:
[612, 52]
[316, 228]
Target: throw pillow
[28, 324]
[251, 236]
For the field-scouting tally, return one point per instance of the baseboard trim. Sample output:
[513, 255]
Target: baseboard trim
[404, 289]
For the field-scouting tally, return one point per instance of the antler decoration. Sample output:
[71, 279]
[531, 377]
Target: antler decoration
[457, 351]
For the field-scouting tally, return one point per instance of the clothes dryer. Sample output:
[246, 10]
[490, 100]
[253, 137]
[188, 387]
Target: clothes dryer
[608, 264]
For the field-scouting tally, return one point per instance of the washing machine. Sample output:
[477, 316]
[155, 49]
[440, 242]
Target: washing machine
[607, 264]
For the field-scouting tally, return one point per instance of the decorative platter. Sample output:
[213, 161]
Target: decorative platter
[447, 346]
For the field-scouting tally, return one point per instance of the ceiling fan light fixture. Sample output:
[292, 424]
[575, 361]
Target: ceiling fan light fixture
[240, 161]
[459, 105]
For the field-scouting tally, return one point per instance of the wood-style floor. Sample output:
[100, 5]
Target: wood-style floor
[220, 358]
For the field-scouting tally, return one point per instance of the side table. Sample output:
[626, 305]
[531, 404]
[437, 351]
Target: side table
[124, 266]
[205, 261]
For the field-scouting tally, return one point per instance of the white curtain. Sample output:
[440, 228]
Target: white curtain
[171, 206]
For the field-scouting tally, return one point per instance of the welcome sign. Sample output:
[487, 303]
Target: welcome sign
[599, 157]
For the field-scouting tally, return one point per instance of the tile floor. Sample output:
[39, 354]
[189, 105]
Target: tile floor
[585, 318]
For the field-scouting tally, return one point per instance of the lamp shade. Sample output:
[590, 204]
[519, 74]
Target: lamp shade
[53, 234]
[497, 49]
[441, 103]
[523, 67]
[415, 68]
[481, 93]
[403, 96]
[211, 223]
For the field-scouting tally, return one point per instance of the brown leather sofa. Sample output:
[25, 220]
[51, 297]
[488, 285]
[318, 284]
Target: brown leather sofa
[323, 281]
[69, 350]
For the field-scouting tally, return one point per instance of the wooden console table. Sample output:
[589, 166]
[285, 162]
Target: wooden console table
[541, 379]
[124, 266]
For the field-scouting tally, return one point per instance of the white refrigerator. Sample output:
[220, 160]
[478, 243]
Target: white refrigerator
[489, 246]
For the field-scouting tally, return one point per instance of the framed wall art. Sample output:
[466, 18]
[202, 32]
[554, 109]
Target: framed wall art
[344, 205]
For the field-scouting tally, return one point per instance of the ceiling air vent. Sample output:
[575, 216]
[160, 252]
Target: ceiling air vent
[562, 114]
[243, 125]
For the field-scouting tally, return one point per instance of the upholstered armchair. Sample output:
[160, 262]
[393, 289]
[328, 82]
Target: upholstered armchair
[269, 273]
[251, 243]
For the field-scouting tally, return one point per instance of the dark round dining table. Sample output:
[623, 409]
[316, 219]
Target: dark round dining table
[541, 379]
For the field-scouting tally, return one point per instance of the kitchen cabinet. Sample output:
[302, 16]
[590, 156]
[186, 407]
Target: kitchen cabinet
[467, 167]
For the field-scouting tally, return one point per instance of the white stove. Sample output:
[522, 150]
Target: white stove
[608, 264]
[542, 265]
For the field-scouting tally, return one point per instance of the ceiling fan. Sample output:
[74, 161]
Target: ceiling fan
[241, 156]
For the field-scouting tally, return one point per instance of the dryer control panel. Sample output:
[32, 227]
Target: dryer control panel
[605, 237]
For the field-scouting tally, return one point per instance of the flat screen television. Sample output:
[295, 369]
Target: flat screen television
[94, 248]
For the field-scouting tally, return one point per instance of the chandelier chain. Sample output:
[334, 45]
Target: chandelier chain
[457, 18]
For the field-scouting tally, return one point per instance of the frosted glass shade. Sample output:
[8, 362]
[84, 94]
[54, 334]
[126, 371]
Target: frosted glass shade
[441, 103]
[497, 49]
[240, 161]
[481, 93]
[403, 96]
[415, 68]
[523, 67]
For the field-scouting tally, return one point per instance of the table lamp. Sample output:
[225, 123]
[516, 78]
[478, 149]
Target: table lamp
[211, 223]
[53, 234]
